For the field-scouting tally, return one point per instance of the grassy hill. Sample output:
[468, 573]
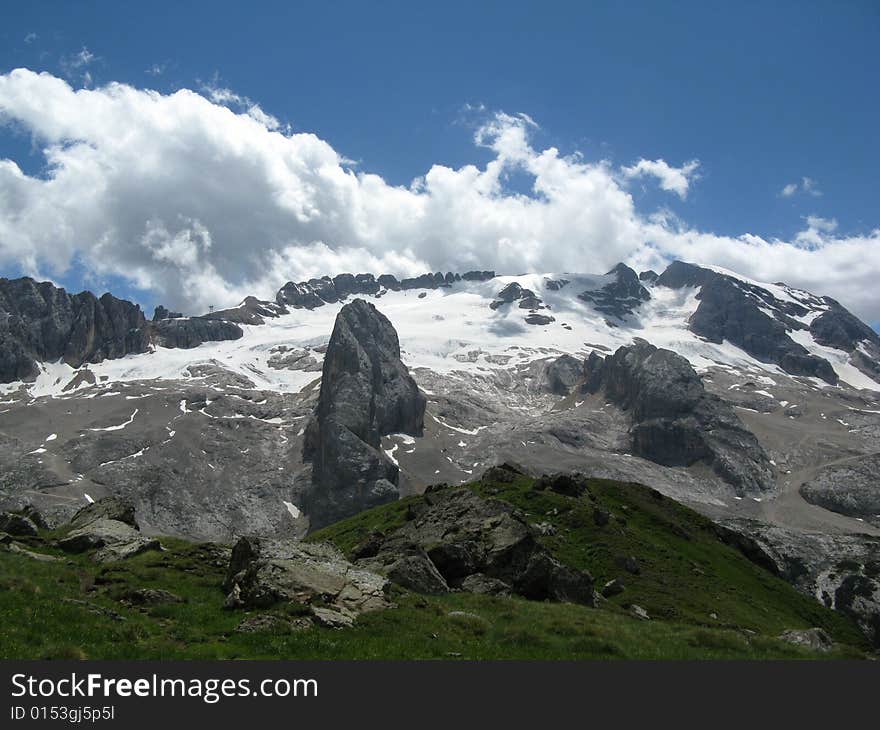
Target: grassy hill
[704, 598]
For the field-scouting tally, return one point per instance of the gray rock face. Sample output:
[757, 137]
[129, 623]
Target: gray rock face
[851, 487]
[839, 328]
[478, 275]
[39, 322]
[815, 639]
[620, 297]
[539, 319]
[469, 540]
[675, 421]
[193, 331]
[250, 311]
[263, 572]
[109, 508]
[107, 526]
[317, 292]
[366, 393]
[17, 524]
[841, 571]
[287, 358]
[161, 312]
[732, 310]
[562, 374]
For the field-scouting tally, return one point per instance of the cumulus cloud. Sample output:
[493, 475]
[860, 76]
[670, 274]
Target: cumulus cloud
[202, 199]
[806, 186]
[673, 179]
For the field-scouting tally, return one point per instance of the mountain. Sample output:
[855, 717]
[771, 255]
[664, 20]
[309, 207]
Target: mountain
[740, 399]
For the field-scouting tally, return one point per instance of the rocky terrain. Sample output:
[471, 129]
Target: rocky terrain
[756, 404]
[493, 569]
[675, 421]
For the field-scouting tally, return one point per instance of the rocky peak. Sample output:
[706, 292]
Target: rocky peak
[317, 292]
[39, 322]
[160, 312]
[618, 298]
[736, 311]
[366, 393]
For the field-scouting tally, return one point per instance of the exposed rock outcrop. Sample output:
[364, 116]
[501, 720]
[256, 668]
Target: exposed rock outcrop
[161, 312]
[842, 571]
[458, 539]
[839, 328]
[108, 527]
[366, 393]
[618, 298]
[191, 332]
[675, 421]
[851, 487]
[734, 310]
[250, 311]
[263, 572]
[318, 292]
[41, 322]
[561, 375]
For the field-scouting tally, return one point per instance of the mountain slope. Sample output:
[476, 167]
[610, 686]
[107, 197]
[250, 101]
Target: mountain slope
[701, 596]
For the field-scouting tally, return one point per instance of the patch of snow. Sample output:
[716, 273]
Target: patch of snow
[390, 454]
[120, 426]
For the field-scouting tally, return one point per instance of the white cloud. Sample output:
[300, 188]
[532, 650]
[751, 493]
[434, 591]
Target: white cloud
[76, 65]
[205, 201]
[807, 186]
[30, 38]
[673, 179]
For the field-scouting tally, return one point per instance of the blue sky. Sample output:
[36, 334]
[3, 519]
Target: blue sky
[764, 95]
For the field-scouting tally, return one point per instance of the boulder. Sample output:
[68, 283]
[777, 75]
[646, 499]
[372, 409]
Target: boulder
[113, 540]
[263, 572]
[416, 572]
[570, 485]
[482, 583]
[613, 587]
[815, 639]
[270, 622]
[107, 526]
[17, 524]
[150, 597]
[108, 508]
[463, 534]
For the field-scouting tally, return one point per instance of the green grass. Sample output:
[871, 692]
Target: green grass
[686, 574]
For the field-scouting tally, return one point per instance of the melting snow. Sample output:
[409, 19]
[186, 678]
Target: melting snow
[121, 425]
